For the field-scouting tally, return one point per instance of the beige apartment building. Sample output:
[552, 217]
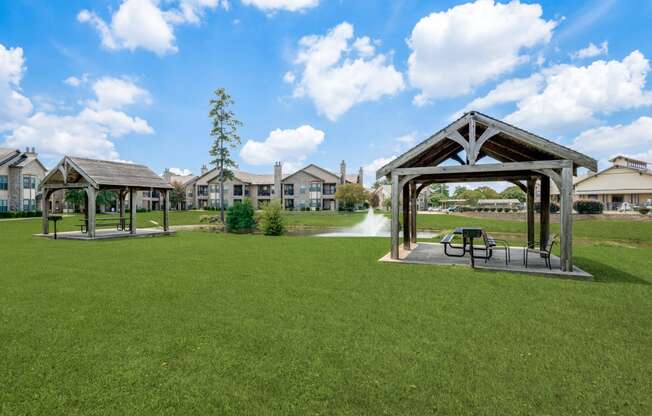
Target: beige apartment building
[20, 174]
[311, 188]
[627, 181]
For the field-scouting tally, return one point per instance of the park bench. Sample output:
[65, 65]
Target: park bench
[118, 222]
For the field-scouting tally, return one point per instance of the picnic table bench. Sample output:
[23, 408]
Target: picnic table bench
[119, 223]
[489, 244]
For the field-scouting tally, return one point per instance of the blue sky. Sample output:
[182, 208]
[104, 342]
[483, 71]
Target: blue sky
[318, 80]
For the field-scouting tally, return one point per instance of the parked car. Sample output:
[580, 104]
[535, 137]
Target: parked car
[453, 209]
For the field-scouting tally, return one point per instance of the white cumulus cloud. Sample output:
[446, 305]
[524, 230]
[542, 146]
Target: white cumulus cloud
[339, 71]
[143, 24]
[591, 51]
[271, 6]
[13, 104]
[575, 95]
[370, 168]
[458, 49]
[291, 145]
[604, 142]
[180, 172]
[116, 93]
[91, 132]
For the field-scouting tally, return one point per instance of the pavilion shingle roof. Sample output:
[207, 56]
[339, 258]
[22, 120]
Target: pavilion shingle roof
[105, 172]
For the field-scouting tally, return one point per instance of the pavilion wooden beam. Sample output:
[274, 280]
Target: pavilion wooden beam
[490, 167]
[406, 216]
[531, 182]
[166, 210]
[544, 212]
[44, 211]
[413, 212]
[91, 204]
[566, 214]
[132, 211]
[394, 223]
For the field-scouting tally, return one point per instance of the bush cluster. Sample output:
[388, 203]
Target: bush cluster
[20, 214]
[644, 211]
[240, 217]
[554, 207]
[588, 206]
[272, 221]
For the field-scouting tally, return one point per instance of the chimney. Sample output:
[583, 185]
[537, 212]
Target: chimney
[30, 151]
[278, 178]
[204, 169]
[361, 176]
[343, 172]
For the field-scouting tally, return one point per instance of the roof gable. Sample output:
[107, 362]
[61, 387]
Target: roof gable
[493, 138]
[317, 172]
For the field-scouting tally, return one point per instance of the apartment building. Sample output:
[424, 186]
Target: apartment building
[20, 175]
[311, 187]
[627, 180]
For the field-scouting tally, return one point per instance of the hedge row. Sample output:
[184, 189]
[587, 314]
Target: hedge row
[20, 214]
[588, 206]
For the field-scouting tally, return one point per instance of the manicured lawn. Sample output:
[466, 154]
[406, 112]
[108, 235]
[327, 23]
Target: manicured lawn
[206, 323]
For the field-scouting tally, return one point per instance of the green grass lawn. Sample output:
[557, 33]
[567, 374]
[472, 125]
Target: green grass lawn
[208, 323]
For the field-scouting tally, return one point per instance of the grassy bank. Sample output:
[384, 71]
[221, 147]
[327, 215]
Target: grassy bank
[206, 323]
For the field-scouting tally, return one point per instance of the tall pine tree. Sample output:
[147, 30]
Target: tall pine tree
[225, 133]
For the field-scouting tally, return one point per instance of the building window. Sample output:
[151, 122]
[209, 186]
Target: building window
[289, 204]
[4, 183]
[302, 189]
[329, 188]
[264, 190]
[29, 182]
[156, 194]
[315, 187]
[314, 203]
[202, 190]
[288, 189]
[29, 205]
[3, 204]
[246, 190]
[237, 190]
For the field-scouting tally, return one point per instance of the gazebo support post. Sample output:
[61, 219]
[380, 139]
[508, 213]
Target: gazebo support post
[121, 197]
[90, 211]
[44, 211]
[566, 234]
[406, 216]
[166, 210]
[413, 212]
[132, 211]
[395, 207]
[531, 182]
[544, 218]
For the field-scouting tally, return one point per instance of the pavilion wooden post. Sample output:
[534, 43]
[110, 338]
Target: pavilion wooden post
[132, 211]
[394, 225]
[90, 215]
[121, 196]
[44, 210]
[406, 216]
[566, 227]
[531, 182]
[166, 210]
[413, 212]
[544, 216]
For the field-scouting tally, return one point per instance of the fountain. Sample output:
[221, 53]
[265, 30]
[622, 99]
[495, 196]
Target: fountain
[373, 225]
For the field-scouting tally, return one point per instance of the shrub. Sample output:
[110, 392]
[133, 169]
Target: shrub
[20, 214]
[644, 211]
[554, 207]
[272, 220]
[499, 209]
[588, 206]
[240, 217]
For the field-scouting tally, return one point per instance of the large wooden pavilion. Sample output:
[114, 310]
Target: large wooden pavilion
[523, 159]
[93, 176]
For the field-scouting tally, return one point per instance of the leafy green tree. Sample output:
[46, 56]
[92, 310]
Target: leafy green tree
[513, 192]
[76, 198]
[105, 198]
[240, 217]
[272, 220]
[439, 192]
[177, 195]
[351, 194]
[225, 132]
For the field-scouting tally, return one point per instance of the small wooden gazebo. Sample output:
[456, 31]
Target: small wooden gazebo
[96, 175]
[523, 159]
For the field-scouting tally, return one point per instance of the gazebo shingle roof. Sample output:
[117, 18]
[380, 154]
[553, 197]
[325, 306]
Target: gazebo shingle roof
[105, 172]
